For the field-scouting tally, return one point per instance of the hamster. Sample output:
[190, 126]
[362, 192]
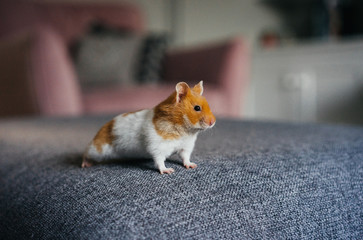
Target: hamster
[170, 127]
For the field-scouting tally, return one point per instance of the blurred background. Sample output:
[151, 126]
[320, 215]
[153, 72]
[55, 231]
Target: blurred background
[281, 60]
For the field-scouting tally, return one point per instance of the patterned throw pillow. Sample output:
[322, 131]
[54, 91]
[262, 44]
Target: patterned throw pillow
[150, 62]
[107, 59]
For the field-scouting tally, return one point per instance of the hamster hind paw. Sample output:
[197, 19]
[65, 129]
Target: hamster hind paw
[86, 163]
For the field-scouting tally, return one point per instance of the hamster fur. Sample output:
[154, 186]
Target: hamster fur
[170, 127]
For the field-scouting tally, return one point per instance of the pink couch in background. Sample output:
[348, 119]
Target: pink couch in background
[38, 76]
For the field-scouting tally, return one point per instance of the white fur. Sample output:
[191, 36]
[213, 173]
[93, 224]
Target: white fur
[135, 136]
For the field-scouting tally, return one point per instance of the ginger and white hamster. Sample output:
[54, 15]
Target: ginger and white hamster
[170, 127]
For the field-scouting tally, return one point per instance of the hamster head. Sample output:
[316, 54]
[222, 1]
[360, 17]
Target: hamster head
[185, 111]
[193, 106]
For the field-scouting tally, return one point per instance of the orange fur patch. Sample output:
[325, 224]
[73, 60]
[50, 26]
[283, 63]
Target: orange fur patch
[104, 136]
[166, 118]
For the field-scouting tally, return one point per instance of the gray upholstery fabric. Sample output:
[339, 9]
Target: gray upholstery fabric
[254, 180]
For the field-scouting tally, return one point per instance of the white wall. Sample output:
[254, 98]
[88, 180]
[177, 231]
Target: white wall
[156, 13]
[206, 20]
[200, 21]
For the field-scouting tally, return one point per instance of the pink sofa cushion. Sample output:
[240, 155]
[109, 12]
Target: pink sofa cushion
[195, 64]
[121, 99]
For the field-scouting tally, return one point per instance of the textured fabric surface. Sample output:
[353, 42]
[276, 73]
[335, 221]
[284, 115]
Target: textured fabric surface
[254, 180]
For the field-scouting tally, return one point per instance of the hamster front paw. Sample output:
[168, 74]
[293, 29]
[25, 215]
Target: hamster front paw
[166, 170]
[190, 165]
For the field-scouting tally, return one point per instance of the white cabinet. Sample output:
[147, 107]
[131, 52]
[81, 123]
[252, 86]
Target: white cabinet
[313, 82]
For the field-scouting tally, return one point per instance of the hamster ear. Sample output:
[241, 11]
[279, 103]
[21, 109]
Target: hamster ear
[198, 88]
[181, 91]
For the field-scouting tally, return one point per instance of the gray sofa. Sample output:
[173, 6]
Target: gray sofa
[254, 180]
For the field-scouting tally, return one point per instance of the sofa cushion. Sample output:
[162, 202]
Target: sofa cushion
[254, 180]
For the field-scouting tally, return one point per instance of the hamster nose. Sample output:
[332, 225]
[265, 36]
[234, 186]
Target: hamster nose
[212, 122]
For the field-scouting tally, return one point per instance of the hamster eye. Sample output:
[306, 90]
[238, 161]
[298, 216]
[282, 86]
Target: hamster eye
[197, 108]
